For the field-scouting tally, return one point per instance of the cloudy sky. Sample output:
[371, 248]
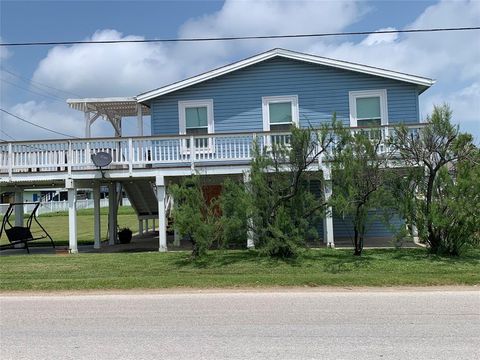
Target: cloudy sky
[36, 81]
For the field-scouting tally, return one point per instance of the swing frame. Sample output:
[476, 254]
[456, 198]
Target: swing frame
[21, 234]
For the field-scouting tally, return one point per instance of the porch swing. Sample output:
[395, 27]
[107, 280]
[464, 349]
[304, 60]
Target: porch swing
[22, 234]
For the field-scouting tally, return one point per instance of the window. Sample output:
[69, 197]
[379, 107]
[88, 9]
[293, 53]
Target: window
[279, 112]
[196, 118]
[368, 108]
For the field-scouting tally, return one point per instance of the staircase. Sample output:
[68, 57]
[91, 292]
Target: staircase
[142, 197]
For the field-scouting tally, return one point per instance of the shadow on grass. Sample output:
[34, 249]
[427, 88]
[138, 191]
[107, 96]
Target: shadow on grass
[222, 258]
[339, 261]
[470, 256]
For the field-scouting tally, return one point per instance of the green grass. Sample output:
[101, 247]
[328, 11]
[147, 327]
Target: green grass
[57, 225]
[325, 267]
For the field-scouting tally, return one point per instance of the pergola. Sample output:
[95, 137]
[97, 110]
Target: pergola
[112, 110]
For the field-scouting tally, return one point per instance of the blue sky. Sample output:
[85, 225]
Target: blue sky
[125, 70]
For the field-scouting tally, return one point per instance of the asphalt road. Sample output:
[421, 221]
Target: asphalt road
[243, 325]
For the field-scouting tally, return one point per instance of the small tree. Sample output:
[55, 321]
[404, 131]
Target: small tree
[282, 206]
[194, 216]
[359, 181]
[235, 205]
[433, 156]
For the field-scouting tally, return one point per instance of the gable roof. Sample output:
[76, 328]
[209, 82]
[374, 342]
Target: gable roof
[424, 82]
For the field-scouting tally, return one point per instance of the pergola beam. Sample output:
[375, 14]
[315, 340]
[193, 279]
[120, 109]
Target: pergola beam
[112, 110]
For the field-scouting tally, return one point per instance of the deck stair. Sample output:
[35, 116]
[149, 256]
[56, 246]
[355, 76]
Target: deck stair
[143, 198]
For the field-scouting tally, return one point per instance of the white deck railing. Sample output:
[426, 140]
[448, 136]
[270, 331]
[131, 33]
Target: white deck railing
[140, 152]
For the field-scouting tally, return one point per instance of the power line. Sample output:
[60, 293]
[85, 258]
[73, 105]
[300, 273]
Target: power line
[39, 126]
[229, 38]
[6, 134]
[32, 82]
[53, 97]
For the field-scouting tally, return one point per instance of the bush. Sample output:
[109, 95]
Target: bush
[440, 193]
[193, 216]
[235, 206]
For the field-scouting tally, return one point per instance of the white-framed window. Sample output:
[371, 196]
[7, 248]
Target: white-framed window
[196, 118]
[280, 112]
[368, 108]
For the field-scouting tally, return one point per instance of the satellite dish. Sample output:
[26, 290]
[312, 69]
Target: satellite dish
[101, 159]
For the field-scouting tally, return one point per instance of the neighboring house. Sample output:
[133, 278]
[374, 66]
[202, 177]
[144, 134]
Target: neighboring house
[207, 124]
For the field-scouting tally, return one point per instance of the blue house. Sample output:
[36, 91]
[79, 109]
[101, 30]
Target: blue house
[207, 123]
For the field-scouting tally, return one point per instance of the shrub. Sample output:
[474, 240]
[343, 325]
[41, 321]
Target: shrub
[193, 216]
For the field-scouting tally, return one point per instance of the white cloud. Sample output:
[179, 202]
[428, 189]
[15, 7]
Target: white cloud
[105, 70]
[127, 69]
[376, 39]
[465, 104]
[45, 114]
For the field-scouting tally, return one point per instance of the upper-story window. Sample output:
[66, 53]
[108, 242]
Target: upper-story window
[279, 112]
[196, 118]
[368, 108]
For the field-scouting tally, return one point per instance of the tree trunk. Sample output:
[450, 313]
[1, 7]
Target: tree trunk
[356, 242]
[432, 238]
[358, 231]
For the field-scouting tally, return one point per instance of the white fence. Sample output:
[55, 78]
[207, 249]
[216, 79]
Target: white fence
[57, 206]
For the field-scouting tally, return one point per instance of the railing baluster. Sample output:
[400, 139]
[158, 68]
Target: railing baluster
[69, 158]
[10, 160]
[130, 156]
[192, 153]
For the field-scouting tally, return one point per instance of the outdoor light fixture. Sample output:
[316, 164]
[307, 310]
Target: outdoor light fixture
[102, 159]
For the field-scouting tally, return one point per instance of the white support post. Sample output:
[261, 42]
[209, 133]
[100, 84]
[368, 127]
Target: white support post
[328, 237]
[19, 211]
[112, 214]
[250, 234]
[87, 125]
[140, 227]
[72, 216]
[162, 219]
[96, 217]
[139, 120]
[415, 237]
[120, 126]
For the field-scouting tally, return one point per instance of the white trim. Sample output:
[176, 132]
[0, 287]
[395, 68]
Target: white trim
[354, 95]
[426, 82]
[184, 104]
[276, 99]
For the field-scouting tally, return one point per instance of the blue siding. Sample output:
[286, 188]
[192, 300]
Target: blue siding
[343, 228]
[321, 90]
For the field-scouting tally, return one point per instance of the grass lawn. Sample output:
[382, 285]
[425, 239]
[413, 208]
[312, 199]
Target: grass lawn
[57, 225]
[330, 267]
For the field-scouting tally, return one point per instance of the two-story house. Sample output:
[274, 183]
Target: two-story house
[207, 124]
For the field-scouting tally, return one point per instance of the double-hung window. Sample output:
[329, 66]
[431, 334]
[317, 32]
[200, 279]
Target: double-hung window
[368, 108]
[279, 114]
[196, 118]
